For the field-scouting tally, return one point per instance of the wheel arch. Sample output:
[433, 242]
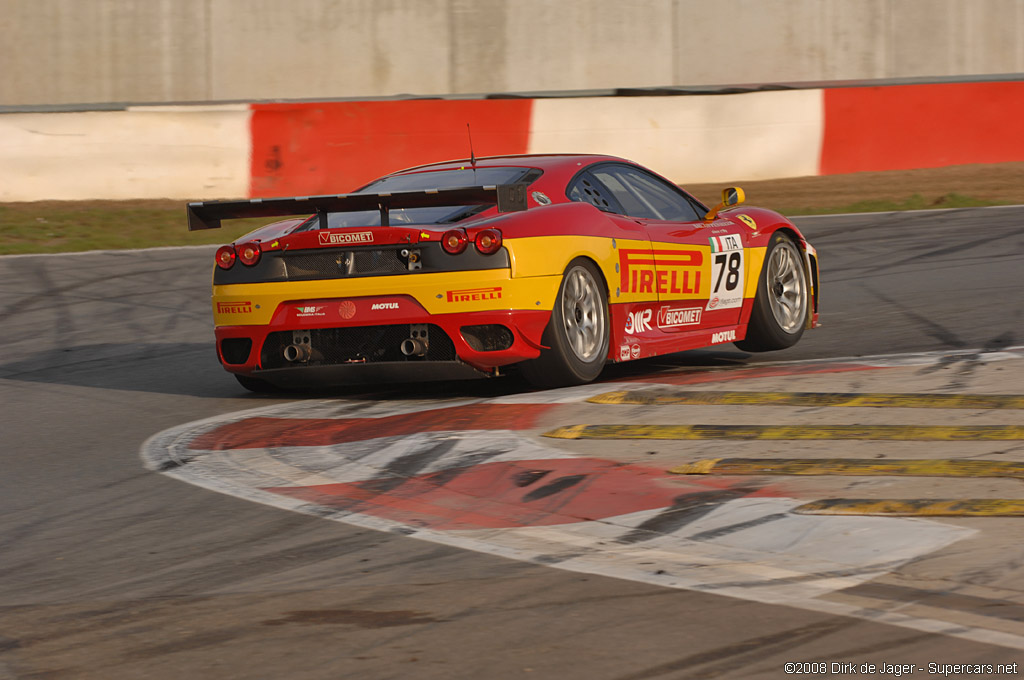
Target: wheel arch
[597, 265]
[811, 277]
[810, 259]
[560, 363]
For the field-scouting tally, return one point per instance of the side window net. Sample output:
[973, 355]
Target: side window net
[585, 191]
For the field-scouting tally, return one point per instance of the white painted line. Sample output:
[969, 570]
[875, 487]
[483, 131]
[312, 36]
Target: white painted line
[784, 560]
[582, 393]
[214, 246]
[794, 562]
[911, 358]
[188, 108]
[211, 247]
[905, 212]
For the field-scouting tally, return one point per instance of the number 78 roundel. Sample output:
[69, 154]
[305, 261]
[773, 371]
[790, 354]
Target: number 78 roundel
[726, 272]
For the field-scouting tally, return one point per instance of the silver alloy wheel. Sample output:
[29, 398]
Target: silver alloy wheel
[583, 313]
[787, 290]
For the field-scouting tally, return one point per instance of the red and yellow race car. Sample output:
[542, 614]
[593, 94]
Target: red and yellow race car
[555, 264]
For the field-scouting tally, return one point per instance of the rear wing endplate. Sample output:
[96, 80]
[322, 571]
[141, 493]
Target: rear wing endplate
[209, 214]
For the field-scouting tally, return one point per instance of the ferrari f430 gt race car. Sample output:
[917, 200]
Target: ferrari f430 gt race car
[556, 264]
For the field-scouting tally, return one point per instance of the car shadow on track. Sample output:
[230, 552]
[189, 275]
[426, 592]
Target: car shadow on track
[512, 382]
[192, 369]
[187, 369]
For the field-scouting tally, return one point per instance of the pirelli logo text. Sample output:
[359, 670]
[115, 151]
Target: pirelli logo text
[660, 271]
[328, 238]
[234, 307]
[474, 294]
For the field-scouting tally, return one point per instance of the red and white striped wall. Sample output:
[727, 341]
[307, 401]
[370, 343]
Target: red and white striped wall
[260, 150]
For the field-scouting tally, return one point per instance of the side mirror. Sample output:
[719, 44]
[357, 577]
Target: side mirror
[730, 197]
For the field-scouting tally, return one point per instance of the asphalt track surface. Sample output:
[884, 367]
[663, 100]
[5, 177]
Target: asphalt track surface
[108, 570]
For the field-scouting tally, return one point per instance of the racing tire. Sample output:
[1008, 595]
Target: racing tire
[577, 335]
[782, 301]
[256, 385]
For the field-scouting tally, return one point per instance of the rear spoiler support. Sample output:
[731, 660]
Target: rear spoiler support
[209, 214]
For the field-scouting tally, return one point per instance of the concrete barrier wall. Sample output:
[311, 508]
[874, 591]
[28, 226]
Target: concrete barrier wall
[260, 150]
[810, 40]
[153, 152]
[711, 138]
[94, 51]
[921, 126]
[329, 147]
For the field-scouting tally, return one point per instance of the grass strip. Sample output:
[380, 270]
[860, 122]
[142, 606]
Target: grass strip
[72, 226]
[914, 202]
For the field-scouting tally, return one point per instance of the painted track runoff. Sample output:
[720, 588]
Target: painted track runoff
[469, 474]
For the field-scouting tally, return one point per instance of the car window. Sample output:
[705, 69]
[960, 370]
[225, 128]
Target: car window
[644, 195]
[445, 179]
[434, 179]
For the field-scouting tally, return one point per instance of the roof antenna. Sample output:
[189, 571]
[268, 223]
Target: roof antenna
[472, 156]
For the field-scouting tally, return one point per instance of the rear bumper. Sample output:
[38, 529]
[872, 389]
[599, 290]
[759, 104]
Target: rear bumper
[360, 323]
[363, 374]
[261, 357]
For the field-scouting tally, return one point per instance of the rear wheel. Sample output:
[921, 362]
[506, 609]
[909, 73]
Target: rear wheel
[577, 334]
[780, 307]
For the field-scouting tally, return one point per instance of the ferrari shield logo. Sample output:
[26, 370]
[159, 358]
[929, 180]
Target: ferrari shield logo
[747, 220]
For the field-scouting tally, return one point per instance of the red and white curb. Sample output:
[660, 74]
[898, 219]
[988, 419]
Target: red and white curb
[463, 473]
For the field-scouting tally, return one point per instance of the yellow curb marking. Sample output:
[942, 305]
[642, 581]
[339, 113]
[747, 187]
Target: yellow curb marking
[791, 432]
[962, 507]
[568, 432]
[845, 399]
[852, 467]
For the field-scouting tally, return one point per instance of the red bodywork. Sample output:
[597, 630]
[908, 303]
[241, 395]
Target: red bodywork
[662, 326]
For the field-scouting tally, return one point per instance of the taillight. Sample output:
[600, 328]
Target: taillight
[225, 257]
[454, 241]
[488, 241]
[248, 253]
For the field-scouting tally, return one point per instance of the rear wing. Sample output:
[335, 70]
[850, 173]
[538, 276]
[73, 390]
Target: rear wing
[208, 215]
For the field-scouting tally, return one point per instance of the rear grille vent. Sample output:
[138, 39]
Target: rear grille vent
[364, 344]
[235, 350]
[487, 338]
[339, 263]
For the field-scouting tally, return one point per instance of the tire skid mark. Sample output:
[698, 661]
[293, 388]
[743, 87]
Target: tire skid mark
[739, 526]
[492, 495]
[685, 509]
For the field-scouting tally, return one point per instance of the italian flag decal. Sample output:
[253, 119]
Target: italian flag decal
[727, 242]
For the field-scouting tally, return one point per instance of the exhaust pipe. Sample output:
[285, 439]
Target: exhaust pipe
[414, 347]
[296, 353]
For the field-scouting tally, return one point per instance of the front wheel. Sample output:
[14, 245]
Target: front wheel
[577, 334]
[781, 305]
